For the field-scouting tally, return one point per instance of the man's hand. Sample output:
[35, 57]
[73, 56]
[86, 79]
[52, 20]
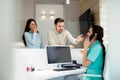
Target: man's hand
[79, 38]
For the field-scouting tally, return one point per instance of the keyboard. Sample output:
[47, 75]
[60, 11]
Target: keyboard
[64, 69]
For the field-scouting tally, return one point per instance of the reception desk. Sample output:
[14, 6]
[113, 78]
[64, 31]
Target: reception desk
[37, 58]
[50, 74]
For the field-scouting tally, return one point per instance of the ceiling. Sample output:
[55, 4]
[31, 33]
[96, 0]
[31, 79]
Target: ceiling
[52, 1]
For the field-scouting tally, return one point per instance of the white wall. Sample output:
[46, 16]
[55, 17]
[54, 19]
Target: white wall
[74, 28]
[72, 13]
[47, 24]
[113, 24]
[13, 13]
[72, 10]
[25, 10]
[7, 12]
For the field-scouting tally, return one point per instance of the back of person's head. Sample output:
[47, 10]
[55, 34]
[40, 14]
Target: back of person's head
[27, 29]
[99, 30]
[58, 20]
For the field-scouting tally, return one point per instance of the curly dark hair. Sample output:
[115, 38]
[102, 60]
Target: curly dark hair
[100, 33]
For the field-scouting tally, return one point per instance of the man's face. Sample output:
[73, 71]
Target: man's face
[59, 27]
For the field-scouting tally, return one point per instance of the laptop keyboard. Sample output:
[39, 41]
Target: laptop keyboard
[64, 69]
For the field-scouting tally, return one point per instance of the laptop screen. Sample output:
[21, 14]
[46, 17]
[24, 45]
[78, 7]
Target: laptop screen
[58, 54]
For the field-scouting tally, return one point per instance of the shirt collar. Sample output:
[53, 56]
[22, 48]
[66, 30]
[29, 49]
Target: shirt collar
[58, 32]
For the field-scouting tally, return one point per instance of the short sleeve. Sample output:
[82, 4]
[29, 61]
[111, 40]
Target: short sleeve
[94, 53]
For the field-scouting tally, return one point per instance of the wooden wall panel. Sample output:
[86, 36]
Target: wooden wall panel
[94, 6]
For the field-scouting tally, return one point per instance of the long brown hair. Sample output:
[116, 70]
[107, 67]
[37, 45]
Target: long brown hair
[27, 29]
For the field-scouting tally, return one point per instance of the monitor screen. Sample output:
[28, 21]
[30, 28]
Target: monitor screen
[58, 54]
[86, 21]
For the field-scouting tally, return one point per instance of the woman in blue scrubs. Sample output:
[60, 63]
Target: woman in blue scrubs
[94, 52]
[31, 37]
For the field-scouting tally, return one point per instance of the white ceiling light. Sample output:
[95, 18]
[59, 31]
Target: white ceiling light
[67, 1]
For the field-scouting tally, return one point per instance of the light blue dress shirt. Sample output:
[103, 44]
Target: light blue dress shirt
[95, 55]
[33, 40]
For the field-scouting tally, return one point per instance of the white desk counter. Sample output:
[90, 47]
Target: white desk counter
[48, 74]
[37, 58]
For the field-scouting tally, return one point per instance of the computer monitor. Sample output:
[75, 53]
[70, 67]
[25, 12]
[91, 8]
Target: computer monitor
[58, 54]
